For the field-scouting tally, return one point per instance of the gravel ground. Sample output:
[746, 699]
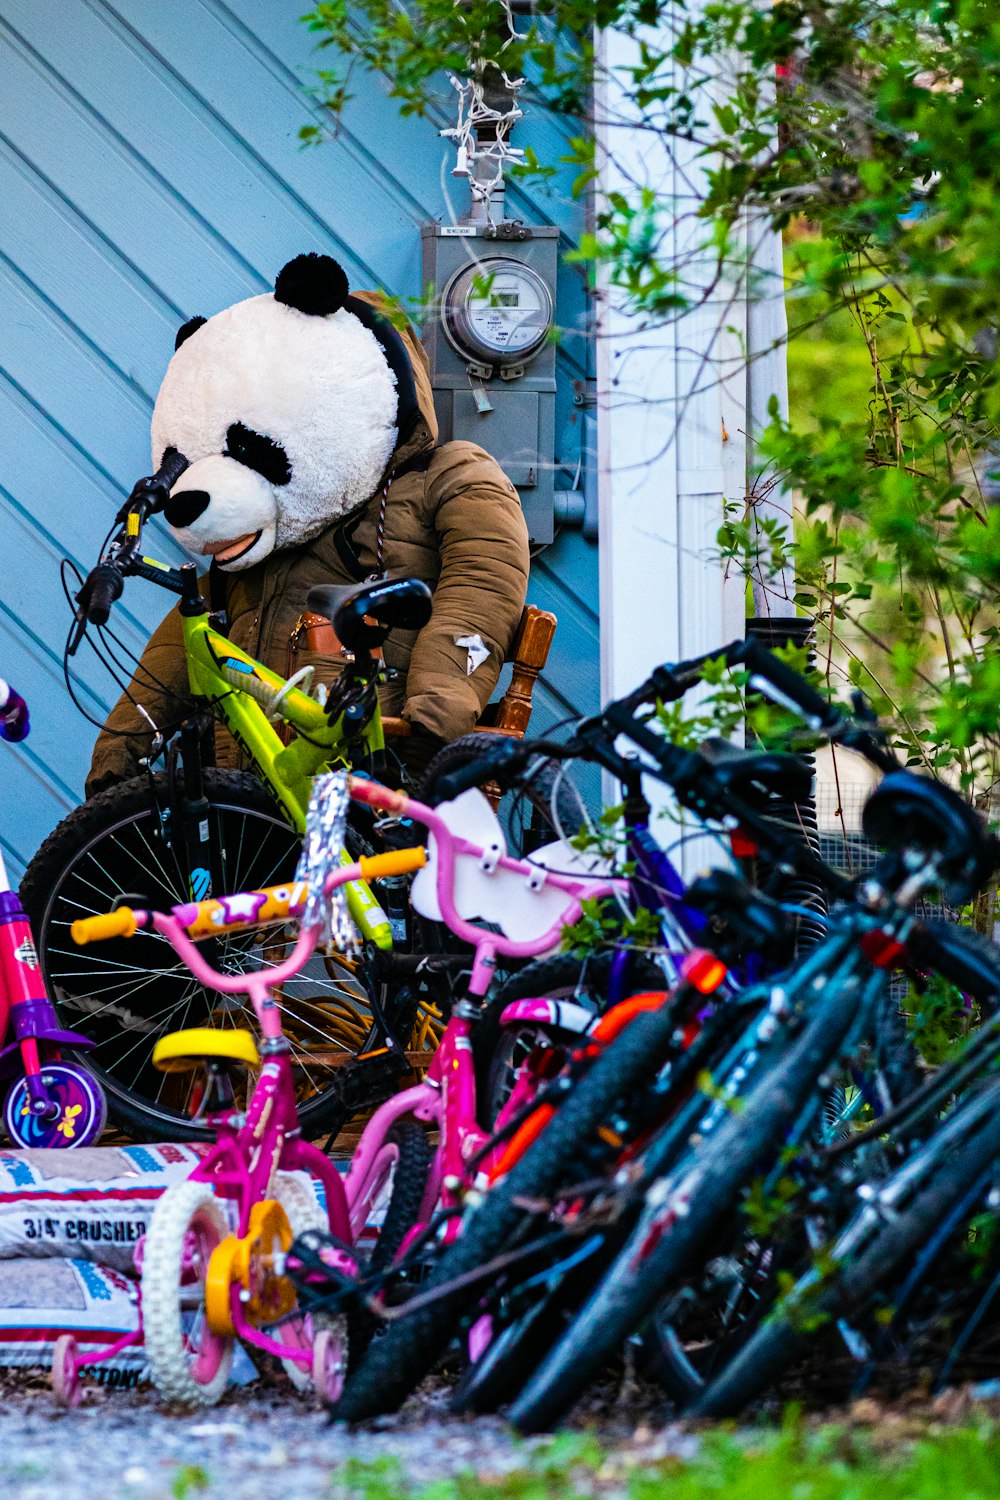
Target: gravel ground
[121, 1445]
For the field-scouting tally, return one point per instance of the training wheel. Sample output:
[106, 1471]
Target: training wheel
[329, 1364]
[80, 1114]
[65, 1371]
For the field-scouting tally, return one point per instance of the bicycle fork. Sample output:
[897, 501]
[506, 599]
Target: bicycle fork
[24, 1004]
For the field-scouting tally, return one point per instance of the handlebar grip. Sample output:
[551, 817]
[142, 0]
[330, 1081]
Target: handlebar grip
[150, 495]
[486, 768]
[760, 662]
[963, 957]
[170, 470]
[14, 720]
[110, 924]
[396, 862]
[104, 586]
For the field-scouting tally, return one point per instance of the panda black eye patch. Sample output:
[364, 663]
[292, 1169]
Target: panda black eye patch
[258, 452]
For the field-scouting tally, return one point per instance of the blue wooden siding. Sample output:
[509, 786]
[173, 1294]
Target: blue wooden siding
[149, 170]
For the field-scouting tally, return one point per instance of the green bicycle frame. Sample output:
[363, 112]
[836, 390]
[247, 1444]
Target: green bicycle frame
[244, 693]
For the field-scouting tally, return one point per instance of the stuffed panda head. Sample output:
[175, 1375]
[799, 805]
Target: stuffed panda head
[288, 408]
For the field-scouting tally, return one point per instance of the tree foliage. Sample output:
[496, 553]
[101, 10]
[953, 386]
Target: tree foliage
[878, 153]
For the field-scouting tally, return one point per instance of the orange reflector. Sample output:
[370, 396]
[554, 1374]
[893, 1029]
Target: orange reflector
[703, 971]
[742, 845]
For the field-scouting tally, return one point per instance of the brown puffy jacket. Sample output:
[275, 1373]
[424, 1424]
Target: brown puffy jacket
[453, 518]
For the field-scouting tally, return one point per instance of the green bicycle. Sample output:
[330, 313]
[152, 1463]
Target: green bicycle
[193, 830]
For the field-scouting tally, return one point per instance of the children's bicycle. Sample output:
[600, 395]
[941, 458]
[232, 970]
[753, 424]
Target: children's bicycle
[190, 831]
[55, 1101]
[204, 1286]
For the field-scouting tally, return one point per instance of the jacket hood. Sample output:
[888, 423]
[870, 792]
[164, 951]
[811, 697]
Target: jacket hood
[424, 433]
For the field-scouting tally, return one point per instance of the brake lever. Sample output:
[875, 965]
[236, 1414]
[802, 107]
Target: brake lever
[77, 631]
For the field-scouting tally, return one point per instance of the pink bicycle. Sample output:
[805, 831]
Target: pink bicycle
[55, 1101]
[206, 1281]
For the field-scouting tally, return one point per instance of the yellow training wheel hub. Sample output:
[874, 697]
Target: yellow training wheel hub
[248, 1264]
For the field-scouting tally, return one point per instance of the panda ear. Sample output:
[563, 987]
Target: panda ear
[186, 330]
[312, 283]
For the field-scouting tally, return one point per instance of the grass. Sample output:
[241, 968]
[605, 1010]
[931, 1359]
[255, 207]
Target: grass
[833, 1462]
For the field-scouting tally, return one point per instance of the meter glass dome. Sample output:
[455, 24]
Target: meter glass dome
[498, 310]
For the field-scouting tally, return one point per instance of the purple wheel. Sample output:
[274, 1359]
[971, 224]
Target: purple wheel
[81, 1115]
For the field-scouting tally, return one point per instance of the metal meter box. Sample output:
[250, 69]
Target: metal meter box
[493, 360]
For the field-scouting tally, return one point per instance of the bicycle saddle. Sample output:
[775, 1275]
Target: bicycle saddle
[914, 812]
[363, 614]
[758, 775]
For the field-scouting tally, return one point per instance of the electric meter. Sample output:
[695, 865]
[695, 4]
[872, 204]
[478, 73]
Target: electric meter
[497, 312]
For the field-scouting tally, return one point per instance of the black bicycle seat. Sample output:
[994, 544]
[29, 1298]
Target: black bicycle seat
[363, 614]
[906, 811]
[758, 775]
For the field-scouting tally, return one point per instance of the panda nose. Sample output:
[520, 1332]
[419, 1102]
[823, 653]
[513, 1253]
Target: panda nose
[180, 510]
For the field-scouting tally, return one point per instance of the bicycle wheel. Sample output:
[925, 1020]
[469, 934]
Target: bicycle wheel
[189, 1363]
[126, 994]
[856, 1283]
[82, 1113]
[396, 1363]
[681, 1214]
[403, 1197]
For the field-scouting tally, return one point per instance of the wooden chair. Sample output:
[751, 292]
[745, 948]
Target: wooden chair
[527, 656]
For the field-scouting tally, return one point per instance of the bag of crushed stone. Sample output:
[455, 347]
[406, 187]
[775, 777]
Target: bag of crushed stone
[42, 1299]
[92, 1204]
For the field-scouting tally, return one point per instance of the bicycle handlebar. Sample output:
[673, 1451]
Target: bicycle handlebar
[216, 917]
[510, 756]
[818, 712]
[104, 585]
[151, 494]
[109, 924]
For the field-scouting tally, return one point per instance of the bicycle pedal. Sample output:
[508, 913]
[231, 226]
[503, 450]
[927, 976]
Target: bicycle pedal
[367, 1080]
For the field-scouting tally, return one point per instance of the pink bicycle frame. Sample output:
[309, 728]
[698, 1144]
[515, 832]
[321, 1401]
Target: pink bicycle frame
[240, 1164]
[447, 1096]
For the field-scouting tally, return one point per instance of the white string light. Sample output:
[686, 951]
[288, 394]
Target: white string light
[473, 114]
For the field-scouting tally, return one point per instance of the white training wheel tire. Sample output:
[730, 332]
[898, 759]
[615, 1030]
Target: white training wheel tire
[186, 1206]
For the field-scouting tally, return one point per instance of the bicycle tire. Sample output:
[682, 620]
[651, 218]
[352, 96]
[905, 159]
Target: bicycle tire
[177, 1375]
[961, 955]
[110, 846]
[396, 1363]
[654, 1254]
[409, 1185]
[776, 1344]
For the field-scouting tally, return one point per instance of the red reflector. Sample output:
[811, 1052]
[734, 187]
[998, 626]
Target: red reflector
[881, 949]
[742, 845]
[703, 971]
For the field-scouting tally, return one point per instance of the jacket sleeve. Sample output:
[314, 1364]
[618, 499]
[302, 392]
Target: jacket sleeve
[481, 589]
[160, 684]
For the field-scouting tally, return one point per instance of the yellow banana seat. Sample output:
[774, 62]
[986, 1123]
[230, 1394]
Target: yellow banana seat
[180, 1051]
